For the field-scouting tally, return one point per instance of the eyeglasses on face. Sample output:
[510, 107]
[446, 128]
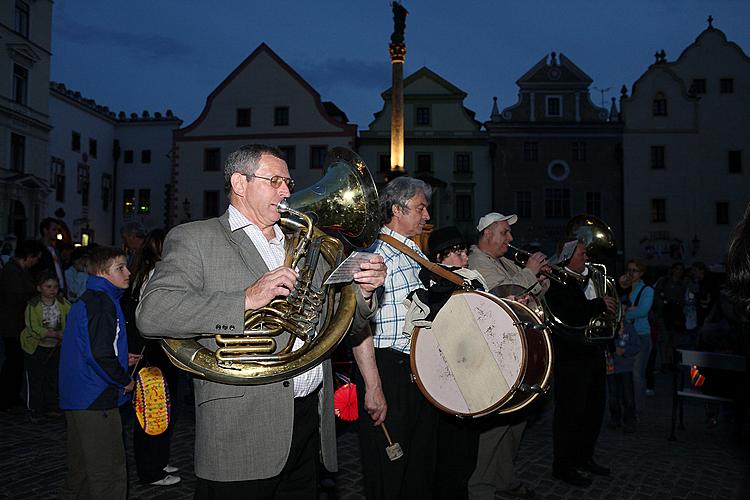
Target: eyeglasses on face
[275, 181]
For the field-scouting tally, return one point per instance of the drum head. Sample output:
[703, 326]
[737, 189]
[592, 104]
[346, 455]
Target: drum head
[472, 358]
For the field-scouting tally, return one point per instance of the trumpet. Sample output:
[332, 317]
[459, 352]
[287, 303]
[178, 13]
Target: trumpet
[553, 272]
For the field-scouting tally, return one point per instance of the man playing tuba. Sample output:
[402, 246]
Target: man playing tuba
[252, 441]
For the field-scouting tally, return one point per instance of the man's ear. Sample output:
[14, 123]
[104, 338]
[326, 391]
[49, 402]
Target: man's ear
[238, 183]
[397, 211]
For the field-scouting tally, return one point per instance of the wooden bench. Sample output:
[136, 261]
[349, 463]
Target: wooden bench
[682, 390]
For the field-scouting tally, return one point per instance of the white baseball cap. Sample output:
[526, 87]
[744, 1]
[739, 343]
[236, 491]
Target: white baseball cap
[493, 217]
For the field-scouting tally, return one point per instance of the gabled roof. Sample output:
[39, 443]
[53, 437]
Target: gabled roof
[425, 72]
[540, 72]
[263, 49]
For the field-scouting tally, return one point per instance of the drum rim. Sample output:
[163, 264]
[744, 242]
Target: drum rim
[413, 349]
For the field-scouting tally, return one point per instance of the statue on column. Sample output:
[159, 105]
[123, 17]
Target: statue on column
[399, 23]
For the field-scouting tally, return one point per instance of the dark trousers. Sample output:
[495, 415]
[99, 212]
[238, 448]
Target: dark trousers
[580, 389]
[457, 446]
[411, 421]
[298, 479]
[651, 365]
[621, 397]
[95, 455]
[41, 379]
[11, 375]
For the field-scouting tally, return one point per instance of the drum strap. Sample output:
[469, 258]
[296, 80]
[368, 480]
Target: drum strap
[431, 266]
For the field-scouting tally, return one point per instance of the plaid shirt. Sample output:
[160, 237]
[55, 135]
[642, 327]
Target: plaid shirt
[402, 278]
[273, 254]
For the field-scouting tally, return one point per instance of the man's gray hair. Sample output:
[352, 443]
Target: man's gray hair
[246, 160]
[399, 191]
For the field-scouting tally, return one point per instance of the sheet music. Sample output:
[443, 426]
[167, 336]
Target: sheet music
[345, 272]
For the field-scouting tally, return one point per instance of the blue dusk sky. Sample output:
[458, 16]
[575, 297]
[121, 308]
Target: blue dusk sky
[159, 54]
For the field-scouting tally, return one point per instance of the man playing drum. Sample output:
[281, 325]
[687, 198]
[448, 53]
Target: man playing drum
[501, 435]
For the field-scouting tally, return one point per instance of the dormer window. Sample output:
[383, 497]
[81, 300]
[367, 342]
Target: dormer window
[554, 106]
[660, 104]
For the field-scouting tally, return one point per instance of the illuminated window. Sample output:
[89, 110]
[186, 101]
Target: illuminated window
[128, 201]
[144, 201]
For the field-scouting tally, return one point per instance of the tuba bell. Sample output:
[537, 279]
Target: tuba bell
[599, 241]
[343, 202]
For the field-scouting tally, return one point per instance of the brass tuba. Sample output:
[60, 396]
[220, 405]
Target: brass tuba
[344, 201]
[599, 241]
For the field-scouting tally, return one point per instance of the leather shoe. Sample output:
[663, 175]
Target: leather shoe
[571, 476]
[594, 468]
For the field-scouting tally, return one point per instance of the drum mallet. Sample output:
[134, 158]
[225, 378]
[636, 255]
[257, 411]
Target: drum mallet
[393, 450]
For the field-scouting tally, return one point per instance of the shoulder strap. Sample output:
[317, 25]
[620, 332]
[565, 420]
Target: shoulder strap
[638, 297]
[430, 266]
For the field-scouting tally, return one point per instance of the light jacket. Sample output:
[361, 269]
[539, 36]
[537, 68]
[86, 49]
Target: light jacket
[638, 315]
[35, 330]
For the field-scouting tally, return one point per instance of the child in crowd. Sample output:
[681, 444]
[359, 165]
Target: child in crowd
[94, 381]
[76, 275]
[45, 321]
[620, 379]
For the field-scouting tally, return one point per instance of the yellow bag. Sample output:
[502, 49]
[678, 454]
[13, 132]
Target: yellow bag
[152, 405]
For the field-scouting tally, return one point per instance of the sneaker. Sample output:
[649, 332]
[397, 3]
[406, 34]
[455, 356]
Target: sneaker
[167, 480]
[650, 392]
[170, 469]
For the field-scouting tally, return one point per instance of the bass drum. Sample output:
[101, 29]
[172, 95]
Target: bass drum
[517, 291]
[482, 354]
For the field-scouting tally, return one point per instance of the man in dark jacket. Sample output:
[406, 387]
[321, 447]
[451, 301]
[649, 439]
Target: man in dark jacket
[94, 381]
[580, 375]
[16, 288]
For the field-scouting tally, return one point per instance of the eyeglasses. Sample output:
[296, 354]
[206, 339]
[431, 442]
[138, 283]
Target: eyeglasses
[275, 181]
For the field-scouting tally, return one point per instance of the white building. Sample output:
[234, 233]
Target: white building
[262, 101]
[106, 169]
[444, 145]
[25, 36]
[686, 182]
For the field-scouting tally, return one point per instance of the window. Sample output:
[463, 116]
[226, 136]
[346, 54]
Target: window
[106, 191]
[17, 152]
[128, 201]
[735, 162]
[57, 178]
[554, 106]
[290, 155]
[128, 156]
[659, 105]
[579, 151]
[722, 212]
[594, 203]
[146, 156]
[318, 156]
[531, 151]
[210, 204]
[523, 203]
[557, 203]
[243, 117]
[93, 148]
[657, 157]
[698, 86]
[423, 116]
[463, 207]
[462, 163]
[281, 116]
[75, 141]
[384, 162]
[20, 84]
[144, 201]
[83, 184]
[22, 18]
[424, 162]
[211, 159]
[658, 210]
[726, 86]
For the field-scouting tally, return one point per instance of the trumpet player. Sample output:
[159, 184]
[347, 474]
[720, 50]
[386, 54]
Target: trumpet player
[494, 473]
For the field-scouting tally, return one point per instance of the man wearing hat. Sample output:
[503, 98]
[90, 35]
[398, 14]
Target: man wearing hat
[500, 439]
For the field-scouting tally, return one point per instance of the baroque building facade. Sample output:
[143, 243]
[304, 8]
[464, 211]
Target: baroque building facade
[263, 100]
[686, 146]
[444, 145]
[556, 155]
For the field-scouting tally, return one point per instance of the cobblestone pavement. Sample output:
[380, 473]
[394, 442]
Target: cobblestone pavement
[703, 463]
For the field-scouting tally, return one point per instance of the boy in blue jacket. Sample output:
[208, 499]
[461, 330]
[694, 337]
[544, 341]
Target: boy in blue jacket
[94, 381]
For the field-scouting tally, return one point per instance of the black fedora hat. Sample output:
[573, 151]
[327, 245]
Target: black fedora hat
[444, 238]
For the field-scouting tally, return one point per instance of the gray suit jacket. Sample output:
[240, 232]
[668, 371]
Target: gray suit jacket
[242, 432]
